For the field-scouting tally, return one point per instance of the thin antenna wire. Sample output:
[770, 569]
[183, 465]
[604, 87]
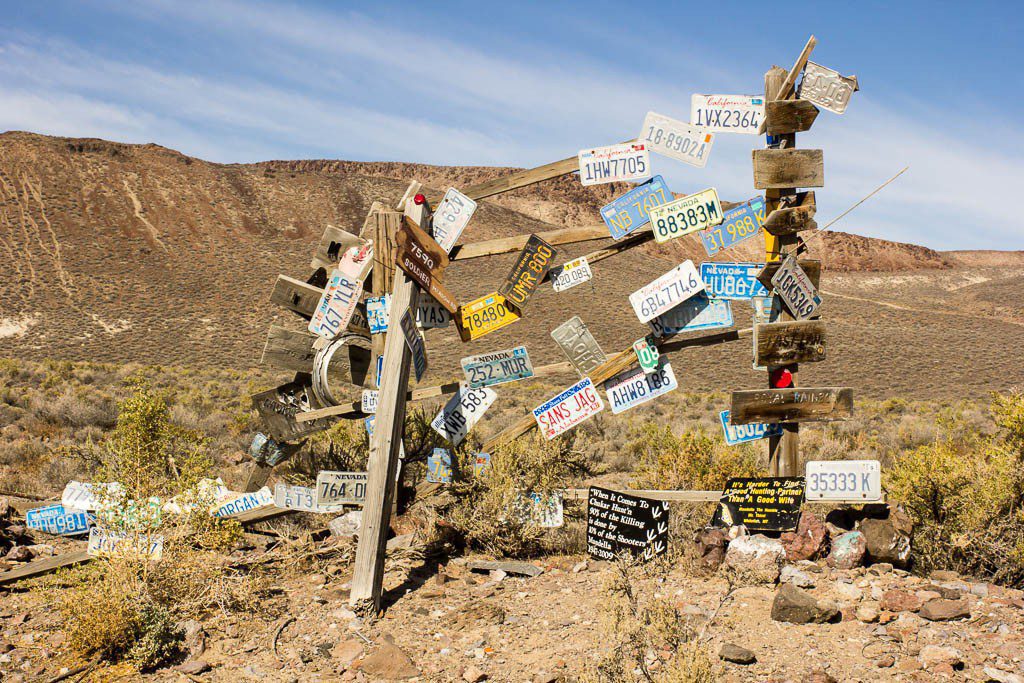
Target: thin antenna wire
[873, 193]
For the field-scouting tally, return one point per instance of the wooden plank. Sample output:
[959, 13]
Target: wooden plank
[296, 295]
[418, 271]
[782, 343]
[789, 116]
[44, 566]
[810, 266]
[785, 89]
[806, 404]
[787, 168]
[790, 220]
[331, 246]
[510, 245]
[289, 349]
[426, 248]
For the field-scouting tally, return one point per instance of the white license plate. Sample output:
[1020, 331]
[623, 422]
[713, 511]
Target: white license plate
[462, 412]
[368, 402]
[827, 88]
[414, 339]
[245, 504]
[686, 215]
[335, 490]
[301, 498]
[634, 387]
[336, 306]
[844, 480]
[727, 113]
[570, 274]
[795, 288]
[114, 543]
[88, 497]
[498, 367]
[615, 163]
[546, 512]
[451, 216]
[676, 139]
[356, 262]
[668, 291]
[568, 409]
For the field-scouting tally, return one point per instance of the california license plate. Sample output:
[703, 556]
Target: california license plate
[727, 113]
[667, 292]
[568, 409]
[451, 216]
[738, 224]
[614, 163]
[630, 211]
[301, 498]
[634, 387]
[335, 490]
[795, 288]
[683, 216]
[737, 434]
[498, 367]
[485, 315]
[568, 275]
[699, 312]
[844, 480]
[732, 280]
[677, 140]
[462, 412]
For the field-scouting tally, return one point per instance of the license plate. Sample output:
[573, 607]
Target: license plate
[533, 263]
[55, 519]
[579, 345]
[462, 412]
[630, 211]
[485, 315]
[647, 355]
[570, 274]
[480, 463]
[794, 287]
[667, 292]
[687, 215]
[634, 387]
[727, 113]
[244, 504]
[736, 434]
[699, 312]
[115, 543]
[439, 467]
[732, 280]
[451, 216]
[614, 163]
[301, 498]
[844, 480]
[356, 262]
[81, 496]
[677, 140]
[568, 409]
[431, 314]
[738, 224]
[368, 401]
[496, 368]
[377, 313]
[827, 88]
[336, 306]
[414, 339]
[335, 490]
[545, 511]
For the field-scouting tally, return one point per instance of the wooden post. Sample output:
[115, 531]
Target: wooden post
[368, 575]
[783, 450]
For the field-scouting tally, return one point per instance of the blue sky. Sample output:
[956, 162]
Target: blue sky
[523, 84]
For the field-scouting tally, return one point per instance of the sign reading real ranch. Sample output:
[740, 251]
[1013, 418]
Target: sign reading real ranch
[761, 503]
[618, 523]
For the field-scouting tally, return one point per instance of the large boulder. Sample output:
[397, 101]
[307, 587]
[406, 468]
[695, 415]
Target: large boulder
[847, 550]
[888, 539]
[711, 544]
[755, 559]
[808, 541]
[941, 609]
[795, 606]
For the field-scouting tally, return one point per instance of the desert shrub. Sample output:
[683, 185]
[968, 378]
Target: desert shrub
[965, 494]
[692, 460]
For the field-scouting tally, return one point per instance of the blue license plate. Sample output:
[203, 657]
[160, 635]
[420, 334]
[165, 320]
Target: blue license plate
[732, 280]
[699, 312]
[735, 434]
[55, 519]
[630, 211]
[439, 467]
[738, 224]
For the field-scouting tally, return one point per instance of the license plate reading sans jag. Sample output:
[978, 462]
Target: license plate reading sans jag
[570, 274]
[677, 140]
[301, 498]
[451, 217]
[844, 480]
[737, 434]
[614, 163]
[498, 367]
[727, 113]
[732, 280]
[667, 292]
[630, 211]
[568, 409]
[738, 224]
[683, 216]
[335, 490]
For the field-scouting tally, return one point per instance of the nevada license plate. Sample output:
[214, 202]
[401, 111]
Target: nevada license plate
[301, 498]
[335, 490]
[727, 113]
[119, 544]
[570, 274]
[568, 409]
[451, 216]
[683, 216]
[439, 467]
[56, 519]
[498, 367]
[485, 315]
[633, 387]
[699, 312]
[677, 140]
[737, 225]
[614, 163]
[462, 412]
[630, 211]
[732, 280]
[667, 292]
[737, 434]
[844, 480]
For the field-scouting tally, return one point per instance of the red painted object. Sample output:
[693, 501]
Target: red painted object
[782, 378]
[419, 200]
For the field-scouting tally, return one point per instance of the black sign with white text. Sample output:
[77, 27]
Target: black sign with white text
[618, 523]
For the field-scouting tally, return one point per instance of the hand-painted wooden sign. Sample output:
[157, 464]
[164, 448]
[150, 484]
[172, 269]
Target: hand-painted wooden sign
[426, 279]
[439, 466]
[782, 343]
[422, 246]
[761, 503]
[368, 401]
[335, 490]
[630, 161]
[534, 262]
[568, 275]
[727, 113]
[646, 355]
[414, 338]
[689, 214]
[58, 520]
[630, 211]
[451, 217]
[844, 480]
[827, 88]
[483, 316]
[784, 168]
[634, 387]
[338, 303]
[737, 434]
[795, 289]
[301, 498]
[806, 404]
[677, 140]
[699, 312]
[620, 524]
[794, 217]
[767, 309]
[579, 345]
[104, 543]
[568, 409]
[667, 292]
[789, 116]
[732, 280]
[738, 224]
[462, 411]
[497, 367]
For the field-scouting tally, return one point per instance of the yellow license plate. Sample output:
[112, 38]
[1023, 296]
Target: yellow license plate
[484, 315]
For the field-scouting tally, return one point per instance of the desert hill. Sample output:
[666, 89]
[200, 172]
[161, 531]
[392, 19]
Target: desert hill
[119, 252]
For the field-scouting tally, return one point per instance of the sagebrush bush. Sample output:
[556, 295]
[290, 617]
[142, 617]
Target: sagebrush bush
[692, 460]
